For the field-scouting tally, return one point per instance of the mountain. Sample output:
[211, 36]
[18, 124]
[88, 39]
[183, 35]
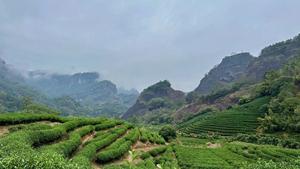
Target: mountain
[154, 101]
[231, 69]
[101, 97]
[13, 90]
[228, 93]
[273, 108]
[273, 57]
[79, 94]
[233, 81]
[245, 68]
[85, 86]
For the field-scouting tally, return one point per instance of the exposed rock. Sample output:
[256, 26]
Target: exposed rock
[231, 68]
[161, 90]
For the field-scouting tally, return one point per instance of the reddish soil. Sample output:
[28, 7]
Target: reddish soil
[3, 130]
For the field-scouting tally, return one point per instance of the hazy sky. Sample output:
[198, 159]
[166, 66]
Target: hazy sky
[136, 43]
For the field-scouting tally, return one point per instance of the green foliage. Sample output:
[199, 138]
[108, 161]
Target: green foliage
[18, 147]
[232, 155]
[271, 140]
[282, 110]
[192, 97]
[165, 160]
[192, 158]
[152, 137]
[119, 147]
[39, 108]
[107, 125]
[240, 119]
[220, 93]
[17, 118]
[68, 146]
[101, 140]
[32, 126]
[157, 103]
[168, 132]
[154, 152]
[263, 164]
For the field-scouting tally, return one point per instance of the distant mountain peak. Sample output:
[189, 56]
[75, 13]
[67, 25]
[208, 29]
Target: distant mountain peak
[161, 90]
[230, 69]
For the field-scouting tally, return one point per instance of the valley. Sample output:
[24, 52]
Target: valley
[149, 84]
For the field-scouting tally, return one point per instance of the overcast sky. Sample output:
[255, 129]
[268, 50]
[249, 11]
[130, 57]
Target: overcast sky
[136, 43]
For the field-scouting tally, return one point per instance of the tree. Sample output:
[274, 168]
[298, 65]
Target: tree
[168, 133]
[26, 101]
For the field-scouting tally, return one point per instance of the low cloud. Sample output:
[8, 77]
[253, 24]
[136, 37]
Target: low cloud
[139, 42]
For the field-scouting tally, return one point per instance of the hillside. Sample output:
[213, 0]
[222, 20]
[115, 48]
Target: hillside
[78, 94]
[273, 57]
[235, 78]
[283, 87]
[49, 141]
[245, 68]
[230, 70]
[273, 108]
[88, 89]
[155, 101]
[12, 91]
[240, 119]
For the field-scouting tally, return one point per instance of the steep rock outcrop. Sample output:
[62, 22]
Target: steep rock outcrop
[159, 91]
[231, 69]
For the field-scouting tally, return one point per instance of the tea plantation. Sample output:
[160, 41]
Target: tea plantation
[48, 141]
[240, 119]
[233, 155]
[45, 141]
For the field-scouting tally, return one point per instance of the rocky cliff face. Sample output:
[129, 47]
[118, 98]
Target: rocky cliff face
[244, 67]
[231, 69]
[272, 58]
[240, 68]
[154, 97]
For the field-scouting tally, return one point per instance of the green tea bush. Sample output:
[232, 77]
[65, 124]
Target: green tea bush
[154, 152]
[262, 139]
[119, 147]
[107, 125]
[152, 137]
[263, 164]
[167, 132]
[34, 126]
[68, 146]
[84, 156]
[18, 118]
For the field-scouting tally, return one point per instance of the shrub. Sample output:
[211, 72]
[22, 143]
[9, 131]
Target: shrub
[152, 137]
[118, 148]
[168, 133]
[154, 152]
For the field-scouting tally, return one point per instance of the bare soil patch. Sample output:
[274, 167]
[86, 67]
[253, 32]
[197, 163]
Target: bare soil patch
[140, 146]
[4, 130]
[88, 137]
[212, 145]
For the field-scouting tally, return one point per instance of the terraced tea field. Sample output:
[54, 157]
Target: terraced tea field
[49, 141]
[241, 119]
[35, 141]
[230, 155]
